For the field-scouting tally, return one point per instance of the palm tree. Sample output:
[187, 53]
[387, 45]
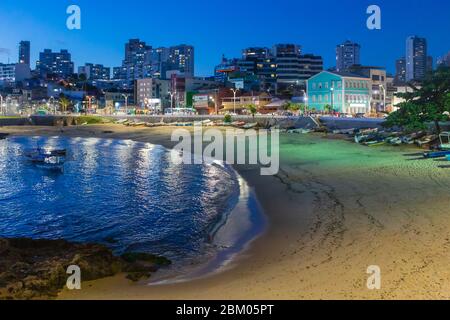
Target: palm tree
[65, 103]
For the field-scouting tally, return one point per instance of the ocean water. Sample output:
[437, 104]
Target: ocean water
[126, 195]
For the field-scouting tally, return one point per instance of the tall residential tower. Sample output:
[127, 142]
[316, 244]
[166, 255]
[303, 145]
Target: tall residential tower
[347, 54]
[416, 58]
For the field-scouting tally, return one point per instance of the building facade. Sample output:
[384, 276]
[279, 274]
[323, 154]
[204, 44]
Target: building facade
[182, 59]
[347, 54]
[288, 63]
[95, 71]
[378, 87]
[400, 71]
[151, 93]
[444, 61]
[55, 63]
[343, 92]
[137, 62]
[416, 58]
[24, 52]
[13, 72]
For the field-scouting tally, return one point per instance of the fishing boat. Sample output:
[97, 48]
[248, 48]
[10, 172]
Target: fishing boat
[436, 154]
[426, 140]
[45, 152]
[394, 140]
[250, 126]
[444, 139]
[374, 143]
[53, 163]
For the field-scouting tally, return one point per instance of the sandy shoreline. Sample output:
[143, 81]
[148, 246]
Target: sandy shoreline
[334, 209]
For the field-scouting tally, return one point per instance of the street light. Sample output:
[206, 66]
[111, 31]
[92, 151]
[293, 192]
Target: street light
[234, 100]
[126, 96]
[384, 97]
[332, 98]
[171, 101]
[52, 98]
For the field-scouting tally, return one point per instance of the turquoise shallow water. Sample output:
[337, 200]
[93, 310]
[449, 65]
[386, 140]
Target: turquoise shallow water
[124, 194]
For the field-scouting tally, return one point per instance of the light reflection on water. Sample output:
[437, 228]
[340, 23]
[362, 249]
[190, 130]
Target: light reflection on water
[124, 194]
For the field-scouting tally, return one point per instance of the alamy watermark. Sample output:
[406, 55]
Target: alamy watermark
[234, 146]
[374, 280]
[74, 280]
[73, 21]
[374, 20]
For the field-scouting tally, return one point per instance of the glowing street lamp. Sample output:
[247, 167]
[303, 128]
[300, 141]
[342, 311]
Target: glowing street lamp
[126, 96]
[172, 94]
[234, 100]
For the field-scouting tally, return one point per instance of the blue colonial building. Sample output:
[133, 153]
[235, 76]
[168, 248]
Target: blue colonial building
[344, 92]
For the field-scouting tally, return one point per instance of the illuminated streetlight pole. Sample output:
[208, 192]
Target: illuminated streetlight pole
[126, 96]
[234, 100]
[384, 97]
[171, 101]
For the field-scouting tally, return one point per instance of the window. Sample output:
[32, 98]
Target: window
[314, 98]
[314, 86]
[326, 85]
[320, 98]
[320, 85]
[339, 84]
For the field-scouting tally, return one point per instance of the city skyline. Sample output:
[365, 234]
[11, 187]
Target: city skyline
[101, 42]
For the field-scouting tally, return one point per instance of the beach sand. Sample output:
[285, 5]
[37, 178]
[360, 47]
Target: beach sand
[334, 209]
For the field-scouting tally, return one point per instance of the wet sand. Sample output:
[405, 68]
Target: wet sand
[334, 209]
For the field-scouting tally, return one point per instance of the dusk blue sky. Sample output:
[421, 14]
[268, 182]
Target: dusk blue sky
[222, 27]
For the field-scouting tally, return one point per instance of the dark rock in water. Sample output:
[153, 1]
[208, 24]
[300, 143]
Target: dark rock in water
[36, 269]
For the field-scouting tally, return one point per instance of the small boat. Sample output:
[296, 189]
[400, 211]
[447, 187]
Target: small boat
[53, 163]
[123, 121]
[426, 140]
[45, 152]
[250, 126]
[361, 138]
[345, 131]
[410, 138]
[394, 141]
[444, 139]
[299, 131]
[374, 143]
[238, 124]
[436, 154]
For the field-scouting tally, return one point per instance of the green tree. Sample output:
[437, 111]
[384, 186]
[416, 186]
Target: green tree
[294, 107]
[328, 108]
[64, 102]
[428, 103]
[252, 109]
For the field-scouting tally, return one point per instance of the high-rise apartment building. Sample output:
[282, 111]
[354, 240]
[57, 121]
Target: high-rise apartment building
[24, 52]
[181, 58]
[288, 65]
[444, 61]
[416, 58]
[347, 54]
[400, 71]
[137, 62]
[55, 63]
[95, 71]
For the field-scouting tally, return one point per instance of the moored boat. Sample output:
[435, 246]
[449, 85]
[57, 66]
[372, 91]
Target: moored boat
[436, 154]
